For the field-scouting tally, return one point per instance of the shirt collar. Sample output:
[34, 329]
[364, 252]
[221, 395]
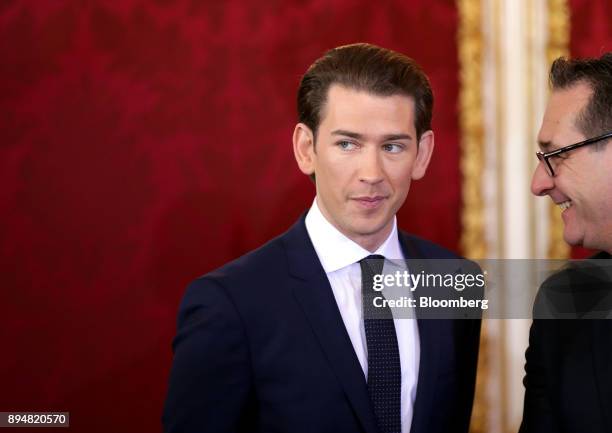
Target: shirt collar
[337, 251]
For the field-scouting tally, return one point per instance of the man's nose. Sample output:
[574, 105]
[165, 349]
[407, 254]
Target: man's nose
[371, 170]
[541, 182]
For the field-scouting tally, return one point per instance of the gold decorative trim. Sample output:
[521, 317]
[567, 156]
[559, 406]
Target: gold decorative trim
[472, 242]
[558, 45]
[470, 45]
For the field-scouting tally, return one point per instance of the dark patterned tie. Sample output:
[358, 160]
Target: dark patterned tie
[384, 369]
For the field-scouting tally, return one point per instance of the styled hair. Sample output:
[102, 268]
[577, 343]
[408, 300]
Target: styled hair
[369, 68]
[596, 117]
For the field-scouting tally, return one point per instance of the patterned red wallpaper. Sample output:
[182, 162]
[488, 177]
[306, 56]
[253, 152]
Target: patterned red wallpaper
[146, 142]
[591, 36]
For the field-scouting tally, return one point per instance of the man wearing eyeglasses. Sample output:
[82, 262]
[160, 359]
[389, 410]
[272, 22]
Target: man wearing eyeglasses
[568, 381]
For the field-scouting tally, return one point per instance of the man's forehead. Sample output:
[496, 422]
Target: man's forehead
[568, 103]
[354, 104]
[562, 114]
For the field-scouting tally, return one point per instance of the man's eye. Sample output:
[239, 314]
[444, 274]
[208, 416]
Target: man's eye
[346, 145]
[393, 147]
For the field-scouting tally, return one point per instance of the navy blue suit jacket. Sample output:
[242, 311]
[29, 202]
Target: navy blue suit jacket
[261, 347]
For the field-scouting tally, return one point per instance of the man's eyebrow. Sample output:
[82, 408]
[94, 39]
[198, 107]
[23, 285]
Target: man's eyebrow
[397, 137]
[347, 133]
[359, 136]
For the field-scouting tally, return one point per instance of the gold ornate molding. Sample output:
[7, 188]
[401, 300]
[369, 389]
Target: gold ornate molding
[558, 45]
[558, 29]
[470, 45]
[472, 242]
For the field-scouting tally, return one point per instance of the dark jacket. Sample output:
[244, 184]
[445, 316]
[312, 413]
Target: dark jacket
[261, 347]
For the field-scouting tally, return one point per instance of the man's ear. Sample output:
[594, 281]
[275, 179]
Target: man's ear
[425, 150]
[303, 148]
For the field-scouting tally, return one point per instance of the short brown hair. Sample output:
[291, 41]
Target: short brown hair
[364, 67]
[596, 117]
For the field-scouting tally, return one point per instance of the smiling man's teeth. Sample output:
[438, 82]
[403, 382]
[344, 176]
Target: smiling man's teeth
[565, 205]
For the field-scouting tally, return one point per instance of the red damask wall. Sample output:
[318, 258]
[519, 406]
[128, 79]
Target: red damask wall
[591, 32]
[591, 36]
[144, 143]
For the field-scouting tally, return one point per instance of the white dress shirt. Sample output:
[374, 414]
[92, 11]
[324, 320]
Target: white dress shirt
[340, 258]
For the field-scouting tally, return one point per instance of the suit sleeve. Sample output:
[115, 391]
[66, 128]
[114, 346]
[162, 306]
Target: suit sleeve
[538, 416]
[470, 342]
[210, 379]
[468, 375]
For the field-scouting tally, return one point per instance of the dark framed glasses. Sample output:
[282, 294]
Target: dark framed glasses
[546, 156]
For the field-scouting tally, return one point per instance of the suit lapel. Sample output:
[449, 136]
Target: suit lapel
[429, 339]
[428, 368]
[313, 292]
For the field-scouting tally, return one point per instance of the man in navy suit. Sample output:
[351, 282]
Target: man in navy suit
[277, 340]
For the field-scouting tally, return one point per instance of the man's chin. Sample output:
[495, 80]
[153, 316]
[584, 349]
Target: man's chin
[573, 239]
[369, 229]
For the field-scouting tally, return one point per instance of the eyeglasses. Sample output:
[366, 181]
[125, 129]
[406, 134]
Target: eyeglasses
[545, 157]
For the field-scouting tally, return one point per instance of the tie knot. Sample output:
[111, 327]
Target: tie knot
[372, 264]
